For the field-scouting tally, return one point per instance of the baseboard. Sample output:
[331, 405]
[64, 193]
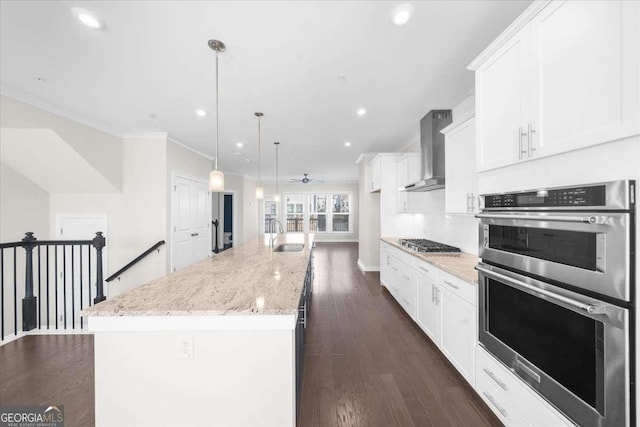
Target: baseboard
[366, 269]
[8, 338]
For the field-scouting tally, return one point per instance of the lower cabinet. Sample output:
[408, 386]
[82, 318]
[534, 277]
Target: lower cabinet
[301, 327]
[513, 402]
[442, 305]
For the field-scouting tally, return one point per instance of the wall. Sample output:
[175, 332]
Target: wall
[102, 150]
[368, 219]
[137, 217]
[310, 188]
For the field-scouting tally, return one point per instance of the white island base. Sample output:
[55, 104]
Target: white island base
[242, 372]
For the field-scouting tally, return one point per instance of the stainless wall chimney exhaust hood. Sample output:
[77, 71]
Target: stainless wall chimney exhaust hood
[432, 148]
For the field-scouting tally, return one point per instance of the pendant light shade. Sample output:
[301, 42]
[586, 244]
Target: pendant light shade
[216, 181]
[216, 177]
[259, 189]
[276, 198]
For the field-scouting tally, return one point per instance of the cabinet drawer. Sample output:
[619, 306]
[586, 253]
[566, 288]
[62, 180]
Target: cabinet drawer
[408, 259]
[427, 270]
[500, 403]
[532, 406]
[464, 290]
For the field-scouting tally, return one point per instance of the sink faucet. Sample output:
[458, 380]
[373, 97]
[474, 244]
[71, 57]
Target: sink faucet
[281, 229]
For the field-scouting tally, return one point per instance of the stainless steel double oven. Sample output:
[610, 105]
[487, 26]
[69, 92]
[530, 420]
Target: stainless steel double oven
[556, 295]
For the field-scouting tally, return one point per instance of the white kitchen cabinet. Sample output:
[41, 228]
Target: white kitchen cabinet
[375, 174]
[408, 172]
[458, 332]
[584, 81]
[461, 191]
[563, 76]
[501, 102]
[513, 401]
[428, 313]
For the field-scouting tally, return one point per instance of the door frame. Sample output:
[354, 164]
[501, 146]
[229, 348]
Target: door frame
[174, 175]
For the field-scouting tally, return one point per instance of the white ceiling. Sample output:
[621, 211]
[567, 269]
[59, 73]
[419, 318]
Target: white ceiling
[283, 58]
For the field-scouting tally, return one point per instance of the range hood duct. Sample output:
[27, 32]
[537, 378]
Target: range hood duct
[432, 149]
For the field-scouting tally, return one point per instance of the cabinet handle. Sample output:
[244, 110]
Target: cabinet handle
[454, 286]
[394, 269]
[194, 234]
[494, 378]
[530, 132]
[437, 296]
[433, 294]
[424, 269]
[406, 277]
[520, 150]
[495, 404]
[467, 202]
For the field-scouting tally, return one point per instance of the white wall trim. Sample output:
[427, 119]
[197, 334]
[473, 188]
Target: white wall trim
[366, 269]
[460, 121]
[508, 33]
[408, 144]
[145, 135]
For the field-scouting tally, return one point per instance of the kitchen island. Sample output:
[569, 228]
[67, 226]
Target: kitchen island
[218, 343]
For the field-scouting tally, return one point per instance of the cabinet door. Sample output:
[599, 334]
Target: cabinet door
[502, 96]
[385, 265]
[401, 172]
[402, 202]
[375, 174]
[584, 60]
[460, 167]
[428, 310]
[459, 333]
[413, 169]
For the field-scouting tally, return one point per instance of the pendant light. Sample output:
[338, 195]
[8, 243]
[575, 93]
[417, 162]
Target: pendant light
[216, 177]
[259, 189]
[276, 198]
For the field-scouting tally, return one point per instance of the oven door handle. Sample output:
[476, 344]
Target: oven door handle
[589, 308]
[556, 218]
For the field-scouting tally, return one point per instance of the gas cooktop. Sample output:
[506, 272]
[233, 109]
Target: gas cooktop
[428, 246]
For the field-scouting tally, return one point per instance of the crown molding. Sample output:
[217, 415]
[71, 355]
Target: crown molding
[186, 147]
[508, 33]
[463, 118]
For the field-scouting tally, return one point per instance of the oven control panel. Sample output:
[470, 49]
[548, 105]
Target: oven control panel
[592, 196]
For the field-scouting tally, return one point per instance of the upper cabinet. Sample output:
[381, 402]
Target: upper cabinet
[564, 76]
[461, 191]
[408, 172]
[375, 174]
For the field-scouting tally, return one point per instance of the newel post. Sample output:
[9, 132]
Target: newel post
[99, 243]
[29, 302]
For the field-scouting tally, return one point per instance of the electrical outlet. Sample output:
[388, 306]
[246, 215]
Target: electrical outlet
[185, 347]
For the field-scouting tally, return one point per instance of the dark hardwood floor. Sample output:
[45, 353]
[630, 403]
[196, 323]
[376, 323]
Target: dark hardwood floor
[50, 370]
[366, 362]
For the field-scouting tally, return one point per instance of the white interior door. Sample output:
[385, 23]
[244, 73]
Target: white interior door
[76, 289]
[191, 219]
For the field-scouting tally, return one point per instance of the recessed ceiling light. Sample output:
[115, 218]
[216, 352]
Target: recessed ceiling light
[361, 111]
[87, 18]
[39, 79]
[247, 160]
[201, 113]
[347, 144]
[401, 14]
[239, 144]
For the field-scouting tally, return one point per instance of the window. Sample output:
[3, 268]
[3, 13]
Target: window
[270, 214]
[318, 213]
[295, 212]
[341, 209]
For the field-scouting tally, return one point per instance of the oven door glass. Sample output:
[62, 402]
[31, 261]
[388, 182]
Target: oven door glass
[574, 248]
[564, 344]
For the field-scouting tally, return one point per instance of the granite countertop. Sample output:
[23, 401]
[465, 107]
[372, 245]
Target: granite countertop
[248, 279]
[461, 266]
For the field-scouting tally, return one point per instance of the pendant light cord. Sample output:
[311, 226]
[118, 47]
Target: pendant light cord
[259, 156]
[217, 110]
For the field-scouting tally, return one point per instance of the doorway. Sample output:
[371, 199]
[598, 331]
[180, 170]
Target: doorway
[227, 223]
[191, 221]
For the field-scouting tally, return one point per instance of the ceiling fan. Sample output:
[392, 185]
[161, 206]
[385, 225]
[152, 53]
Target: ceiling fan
[305, 179]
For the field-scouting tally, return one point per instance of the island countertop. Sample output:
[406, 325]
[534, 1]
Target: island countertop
[248, 279]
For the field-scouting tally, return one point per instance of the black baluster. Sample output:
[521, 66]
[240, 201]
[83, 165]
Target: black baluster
[99, 243]
[29, 301]
[73, 289]
[55, 282]
[39, 294]
[89, 265]
[81, 323]
[64, 285]
[2, 294]
[15, 291]
[48, 287]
